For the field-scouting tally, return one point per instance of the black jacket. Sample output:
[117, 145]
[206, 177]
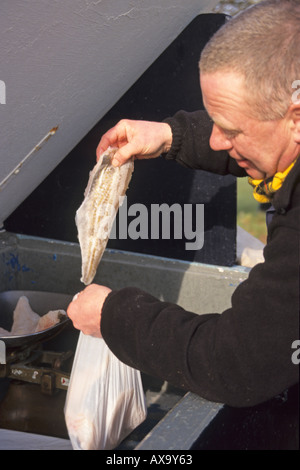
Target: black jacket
[243, 356]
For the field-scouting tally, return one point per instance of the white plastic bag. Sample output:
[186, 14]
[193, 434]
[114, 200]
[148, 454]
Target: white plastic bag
[105, 399]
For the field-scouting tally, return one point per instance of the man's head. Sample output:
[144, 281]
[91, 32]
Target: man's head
[247, 72]
[262, 44]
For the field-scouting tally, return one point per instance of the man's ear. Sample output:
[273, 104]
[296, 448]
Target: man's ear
[295, 120]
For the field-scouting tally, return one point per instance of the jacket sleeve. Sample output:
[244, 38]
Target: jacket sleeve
[190, 144]
[241, 357]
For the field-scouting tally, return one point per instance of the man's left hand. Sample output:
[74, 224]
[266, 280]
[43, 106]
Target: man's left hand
[86, 308]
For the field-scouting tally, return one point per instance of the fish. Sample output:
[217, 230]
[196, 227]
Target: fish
[50, 319]
[25, 319]
[104, 193]
[28, 322]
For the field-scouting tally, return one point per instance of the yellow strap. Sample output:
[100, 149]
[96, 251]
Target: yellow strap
[264, 189]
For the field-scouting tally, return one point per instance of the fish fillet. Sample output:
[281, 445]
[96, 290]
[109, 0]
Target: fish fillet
[25, 319]
[4, 332]
[50, 319]
[28, 322]
[94, 219]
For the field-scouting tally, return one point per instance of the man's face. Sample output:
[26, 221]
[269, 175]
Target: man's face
[262, 148]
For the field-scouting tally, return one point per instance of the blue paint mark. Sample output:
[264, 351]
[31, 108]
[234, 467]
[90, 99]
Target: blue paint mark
[15, 265]
[54, 257]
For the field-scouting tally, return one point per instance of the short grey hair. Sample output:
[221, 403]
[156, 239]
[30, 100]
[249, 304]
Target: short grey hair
[262, 43]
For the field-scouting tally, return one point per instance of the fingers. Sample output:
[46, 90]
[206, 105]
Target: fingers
[114, 137]
[138, 139]
[122, 137]
[86, 307]
[125, 153]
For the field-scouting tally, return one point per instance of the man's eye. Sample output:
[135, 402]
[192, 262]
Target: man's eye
[231, 134]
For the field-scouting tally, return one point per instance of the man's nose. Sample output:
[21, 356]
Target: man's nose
[218, 140]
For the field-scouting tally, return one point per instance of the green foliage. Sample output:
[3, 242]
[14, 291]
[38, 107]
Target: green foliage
[249, 214]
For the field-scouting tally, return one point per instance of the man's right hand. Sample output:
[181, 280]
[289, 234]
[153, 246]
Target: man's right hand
[138, 139]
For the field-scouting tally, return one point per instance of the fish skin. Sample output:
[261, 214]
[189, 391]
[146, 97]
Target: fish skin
[106, 187]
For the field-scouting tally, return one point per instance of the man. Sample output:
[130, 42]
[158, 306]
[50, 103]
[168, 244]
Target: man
[243, 356]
